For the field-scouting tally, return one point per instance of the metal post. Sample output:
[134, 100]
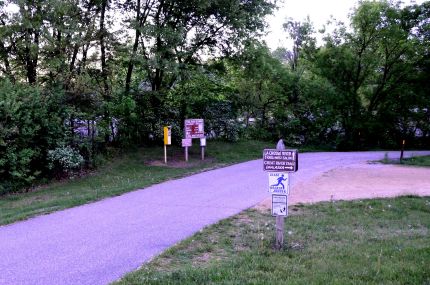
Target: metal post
[203, 153]
[186, 154]
[165, 154]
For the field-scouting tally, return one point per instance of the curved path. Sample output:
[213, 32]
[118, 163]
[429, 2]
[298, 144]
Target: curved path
[98, 243]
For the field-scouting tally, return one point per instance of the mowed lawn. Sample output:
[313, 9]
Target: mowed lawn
[383, 241]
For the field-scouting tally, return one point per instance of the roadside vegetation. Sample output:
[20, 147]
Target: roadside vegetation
[417, 161]
[80, 77]
[413, 161]
[383, 241]
[127, 172]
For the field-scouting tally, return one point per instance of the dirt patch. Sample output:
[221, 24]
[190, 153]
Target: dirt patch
[360, 182]
[180, 163]
[243, 219]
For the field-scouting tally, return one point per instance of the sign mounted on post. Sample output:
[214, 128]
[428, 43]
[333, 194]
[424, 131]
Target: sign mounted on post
[279, 205]
[194, 129]
[280, 160]
[279, 182]
[186, 142]
[167, 131]
[167, 135]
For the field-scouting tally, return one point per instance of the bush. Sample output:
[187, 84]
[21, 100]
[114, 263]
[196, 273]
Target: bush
[30, 123]
[220, 121]
[256, 132]
[64, 160]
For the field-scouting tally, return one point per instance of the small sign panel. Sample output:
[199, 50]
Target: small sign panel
[281, 160]
[194, 129]
[279, 205]
[167, 135]
[203, 142]
[187, 142]
[279, 182]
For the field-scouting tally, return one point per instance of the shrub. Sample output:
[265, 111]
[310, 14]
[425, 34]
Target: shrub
[30, 124]
[64, 160]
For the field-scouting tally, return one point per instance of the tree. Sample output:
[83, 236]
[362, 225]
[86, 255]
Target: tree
[260, 83]
[369, 66]
[172, 37]
[172, 34]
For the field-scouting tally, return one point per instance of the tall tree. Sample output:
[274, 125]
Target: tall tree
[370, 66]
[304, 42]
[5, 44]
[174, 34]
[260, 81]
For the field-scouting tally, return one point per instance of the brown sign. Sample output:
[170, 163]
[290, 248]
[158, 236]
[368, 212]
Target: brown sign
[280, 160]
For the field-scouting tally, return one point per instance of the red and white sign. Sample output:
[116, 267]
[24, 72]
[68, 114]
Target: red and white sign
[194, 129]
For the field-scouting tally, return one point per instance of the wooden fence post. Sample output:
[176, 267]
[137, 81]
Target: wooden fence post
[279, 244]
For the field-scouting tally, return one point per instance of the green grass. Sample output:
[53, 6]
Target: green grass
[423, 161]
[359, 242]
[137, 169]
[417, 161]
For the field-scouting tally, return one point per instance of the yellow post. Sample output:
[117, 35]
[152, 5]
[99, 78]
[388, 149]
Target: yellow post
[167, 140]
[167, 135]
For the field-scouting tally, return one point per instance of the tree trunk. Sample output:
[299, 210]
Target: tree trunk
[135, 46]
[103, 48]
[4, 54]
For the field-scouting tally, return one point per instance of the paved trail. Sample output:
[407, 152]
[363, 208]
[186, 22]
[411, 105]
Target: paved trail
[100, 242]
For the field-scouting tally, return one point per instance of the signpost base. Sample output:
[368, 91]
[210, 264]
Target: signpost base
[165, 154]
[203, 153]
[279, 232]
[186, 154]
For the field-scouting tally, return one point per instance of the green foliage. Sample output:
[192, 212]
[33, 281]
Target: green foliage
[64, 159]
[417, 161]
[125, 172]
[64, 68]
[221, 121]
[28, 128]
[261, 83]
[371, 69]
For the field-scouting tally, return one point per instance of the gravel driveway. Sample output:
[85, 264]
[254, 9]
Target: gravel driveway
[100, 242]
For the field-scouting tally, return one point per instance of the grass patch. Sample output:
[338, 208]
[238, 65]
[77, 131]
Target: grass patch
[423, 161]
[383, 241]
[417, 161]
[133, 170]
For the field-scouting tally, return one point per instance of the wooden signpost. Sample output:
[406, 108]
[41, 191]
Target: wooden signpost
[186, 143]
[202, 146]
[280, 162]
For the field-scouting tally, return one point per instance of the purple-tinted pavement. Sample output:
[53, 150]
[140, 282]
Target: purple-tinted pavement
[100, 242]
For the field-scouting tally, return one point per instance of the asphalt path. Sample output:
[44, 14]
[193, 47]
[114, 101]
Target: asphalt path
[99, 242]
